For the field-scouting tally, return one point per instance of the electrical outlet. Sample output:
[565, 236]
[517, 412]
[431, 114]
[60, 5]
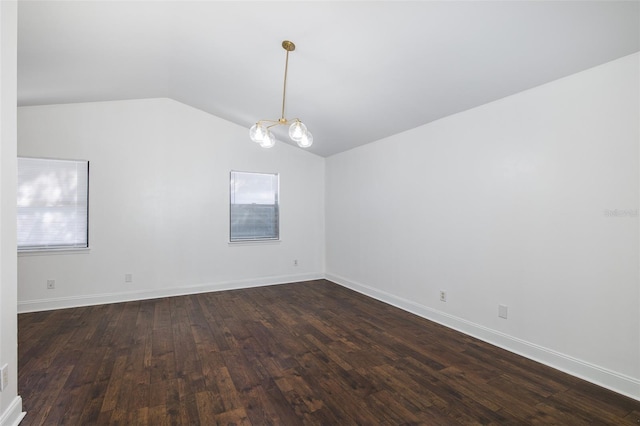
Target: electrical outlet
[443, 296]
[128, 278]
[4, 376]
[51, 284]
[502, 311]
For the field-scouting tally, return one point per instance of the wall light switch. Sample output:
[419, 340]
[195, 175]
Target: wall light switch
[502, 311]
[4, 376]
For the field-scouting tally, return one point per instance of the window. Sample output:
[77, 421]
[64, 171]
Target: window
[53, 204]
[254, 206]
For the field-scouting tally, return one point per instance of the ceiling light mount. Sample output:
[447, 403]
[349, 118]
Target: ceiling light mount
[261, 131]
[288, 46]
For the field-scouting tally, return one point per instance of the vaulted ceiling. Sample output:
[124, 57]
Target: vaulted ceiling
[361, 71]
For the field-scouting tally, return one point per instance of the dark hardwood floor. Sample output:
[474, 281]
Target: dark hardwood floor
[305, 353]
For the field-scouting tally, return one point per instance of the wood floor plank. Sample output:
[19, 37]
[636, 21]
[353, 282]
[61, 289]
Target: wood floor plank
[309, 353]
[113, 389]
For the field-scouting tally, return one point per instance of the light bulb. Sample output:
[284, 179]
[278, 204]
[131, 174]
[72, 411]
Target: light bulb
[306, 141]
[297, 130]
[268, 141]
[257, 132]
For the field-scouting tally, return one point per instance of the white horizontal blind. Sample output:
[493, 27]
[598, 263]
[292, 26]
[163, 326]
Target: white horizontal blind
[254, 206]
[53, 204]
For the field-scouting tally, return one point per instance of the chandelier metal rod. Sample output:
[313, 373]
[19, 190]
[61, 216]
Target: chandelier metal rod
[284, 90]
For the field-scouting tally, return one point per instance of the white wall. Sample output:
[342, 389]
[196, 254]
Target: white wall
[159, 204]
[507, 204]
[502, 204]
[10, 402]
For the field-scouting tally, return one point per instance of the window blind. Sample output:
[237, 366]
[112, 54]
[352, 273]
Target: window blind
[53, 204]
[254, 206]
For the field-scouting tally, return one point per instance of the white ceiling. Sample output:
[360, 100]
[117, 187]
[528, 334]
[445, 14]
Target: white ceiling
[361, 71]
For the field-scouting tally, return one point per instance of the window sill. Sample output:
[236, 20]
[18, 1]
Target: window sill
[253, 242]
[53, 252]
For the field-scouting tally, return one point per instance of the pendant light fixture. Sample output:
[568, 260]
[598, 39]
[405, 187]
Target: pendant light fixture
[261, 131]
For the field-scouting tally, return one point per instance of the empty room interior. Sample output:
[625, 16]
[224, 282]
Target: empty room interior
[367, 212]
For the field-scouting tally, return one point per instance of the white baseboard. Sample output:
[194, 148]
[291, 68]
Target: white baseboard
[25, 306]
[13, 415]
[612, 380]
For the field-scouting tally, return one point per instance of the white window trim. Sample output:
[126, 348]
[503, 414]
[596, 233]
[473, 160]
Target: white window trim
[250, 241]
[57, 250]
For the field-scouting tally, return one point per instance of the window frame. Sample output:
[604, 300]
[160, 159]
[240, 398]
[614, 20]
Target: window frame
[276, 196]
[61, 247]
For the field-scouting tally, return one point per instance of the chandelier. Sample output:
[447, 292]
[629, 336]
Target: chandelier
[261, 131]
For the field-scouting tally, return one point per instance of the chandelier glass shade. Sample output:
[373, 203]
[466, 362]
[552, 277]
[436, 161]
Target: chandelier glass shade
[261, 131]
